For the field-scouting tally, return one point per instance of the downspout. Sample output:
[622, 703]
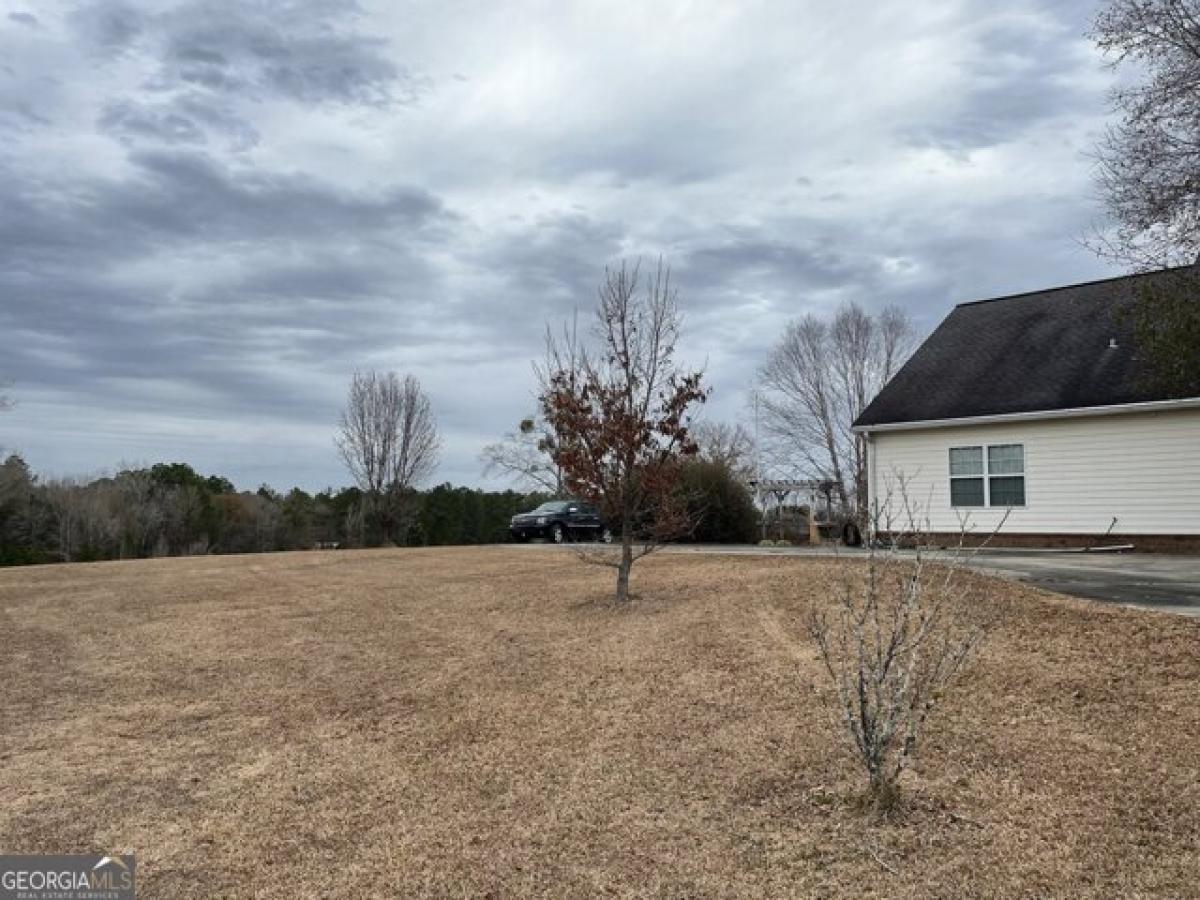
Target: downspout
[872, 513]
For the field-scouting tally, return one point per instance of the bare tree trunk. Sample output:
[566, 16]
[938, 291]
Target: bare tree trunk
[862, 501]
[839, 477]
[626, 562]
[387, 520]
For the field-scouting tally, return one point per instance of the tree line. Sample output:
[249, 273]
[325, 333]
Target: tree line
[169, 509]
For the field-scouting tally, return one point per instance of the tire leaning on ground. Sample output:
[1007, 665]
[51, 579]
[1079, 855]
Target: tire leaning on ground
[851, 536]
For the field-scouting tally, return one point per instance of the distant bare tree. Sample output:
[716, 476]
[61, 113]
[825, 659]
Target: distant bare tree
[6, 400]
[141, 512]
[527, 457]
[268, 521]
[620, 410]
[64, 498]
[389, 442]
[729, 446]
[5, 403]
[1149, 163]
[85, 517]
[819, 378]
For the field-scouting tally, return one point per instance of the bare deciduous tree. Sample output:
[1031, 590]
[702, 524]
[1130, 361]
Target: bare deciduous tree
[527, 456]
[1149, 163]
[818, 379]
[620, 411]
[897, 634]
[389, 442]
[730, 446]
[141, 512]
[6, 400]
[84, 515]
[64, 499]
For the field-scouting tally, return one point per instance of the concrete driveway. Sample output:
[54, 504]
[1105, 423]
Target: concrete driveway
[1148, 581]
[1143, 580]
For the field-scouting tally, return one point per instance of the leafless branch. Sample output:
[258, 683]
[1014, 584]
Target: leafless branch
[526, 456]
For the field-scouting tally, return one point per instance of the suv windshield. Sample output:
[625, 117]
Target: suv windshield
[553, 506]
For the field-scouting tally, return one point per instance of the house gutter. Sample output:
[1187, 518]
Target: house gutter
[1115, 409]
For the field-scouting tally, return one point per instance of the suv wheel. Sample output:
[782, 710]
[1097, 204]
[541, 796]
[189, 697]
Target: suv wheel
[606, 536]
[558, 534]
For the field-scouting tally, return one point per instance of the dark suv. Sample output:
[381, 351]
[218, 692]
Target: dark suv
[560, 521]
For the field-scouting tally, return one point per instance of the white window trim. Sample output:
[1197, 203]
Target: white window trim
[982, 475]
[987, 475]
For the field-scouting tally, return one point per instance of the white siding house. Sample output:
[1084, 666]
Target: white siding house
[1037, 409]
[1078, 474]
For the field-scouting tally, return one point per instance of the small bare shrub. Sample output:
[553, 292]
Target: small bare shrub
[901, 630]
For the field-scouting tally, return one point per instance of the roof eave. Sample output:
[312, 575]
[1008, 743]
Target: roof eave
[1034, 415]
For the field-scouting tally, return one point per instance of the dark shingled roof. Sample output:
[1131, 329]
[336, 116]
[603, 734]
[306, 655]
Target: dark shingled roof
[1045, 350]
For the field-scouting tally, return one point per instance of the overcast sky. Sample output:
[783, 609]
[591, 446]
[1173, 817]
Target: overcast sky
[211, 213]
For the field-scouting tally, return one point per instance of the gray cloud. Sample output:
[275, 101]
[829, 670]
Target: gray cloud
[186, 199]
[211, 63]
[305, 52]
[20, 115]
[764, 258]
[1020, 74]
[186, 119]
[109, 28]
[213, 48]
[189, 195]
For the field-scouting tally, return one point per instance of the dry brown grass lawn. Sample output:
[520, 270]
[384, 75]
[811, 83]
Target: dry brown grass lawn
[468, 722]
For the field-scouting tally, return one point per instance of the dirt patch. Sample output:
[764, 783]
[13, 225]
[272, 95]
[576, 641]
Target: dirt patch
[475, 723]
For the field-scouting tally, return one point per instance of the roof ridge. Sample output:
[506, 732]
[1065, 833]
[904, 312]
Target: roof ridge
[1067, 287]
